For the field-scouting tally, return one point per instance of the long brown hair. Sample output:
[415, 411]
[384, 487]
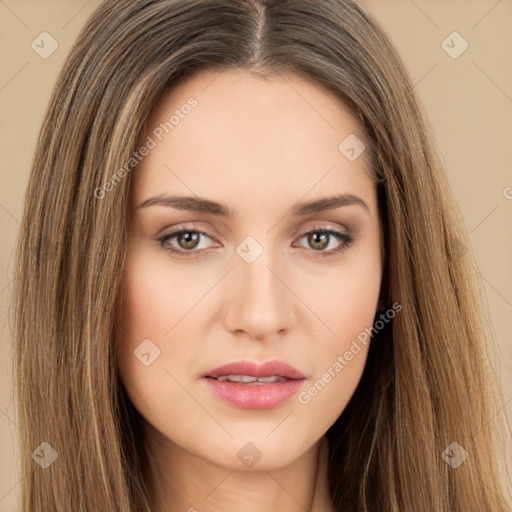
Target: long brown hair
[428, 381]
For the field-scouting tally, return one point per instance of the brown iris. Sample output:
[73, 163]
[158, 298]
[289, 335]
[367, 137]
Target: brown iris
[190, 239]
[318, 240]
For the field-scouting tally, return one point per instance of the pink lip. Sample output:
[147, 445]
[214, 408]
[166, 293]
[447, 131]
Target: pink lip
[267, 369]
[255, 396]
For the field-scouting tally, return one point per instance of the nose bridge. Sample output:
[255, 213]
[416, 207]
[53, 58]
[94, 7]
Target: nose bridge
[259, 283]
[260, 303]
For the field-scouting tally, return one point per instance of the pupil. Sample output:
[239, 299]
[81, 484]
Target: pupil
[318, 238]
[190, 239]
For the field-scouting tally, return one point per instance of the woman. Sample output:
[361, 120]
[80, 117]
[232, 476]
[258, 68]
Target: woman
[240, 281]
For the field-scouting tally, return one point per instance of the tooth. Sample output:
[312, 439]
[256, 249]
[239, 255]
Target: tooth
[247, 378]
[268, 379]
[250, 379]
[237, 378]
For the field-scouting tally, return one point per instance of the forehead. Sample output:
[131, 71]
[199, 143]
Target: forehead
[231, 132]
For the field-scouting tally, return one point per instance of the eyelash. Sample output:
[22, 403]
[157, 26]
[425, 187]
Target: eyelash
[347, 239]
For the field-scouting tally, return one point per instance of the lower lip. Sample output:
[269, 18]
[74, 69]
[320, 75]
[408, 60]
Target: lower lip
[254, 396]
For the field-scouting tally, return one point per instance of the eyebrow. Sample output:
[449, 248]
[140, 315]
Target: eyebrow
[203, 205]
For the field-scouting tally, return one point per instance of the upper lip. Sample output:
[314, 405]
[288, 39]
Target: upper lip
[267, 369]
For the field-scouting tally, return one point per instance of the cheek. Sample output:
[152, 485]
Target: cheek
[345, 303]
[340, 359]
[157, 293]
[153, 305]
[345, 298]
[154, 311]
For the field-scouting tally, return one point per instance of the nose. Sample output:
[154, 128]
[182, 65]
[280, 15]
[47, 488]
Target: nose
[259, 301]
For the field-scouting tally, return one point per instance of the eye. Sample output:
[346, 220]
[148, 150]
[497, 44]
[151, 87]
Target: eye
[321, 238]
[187, 240]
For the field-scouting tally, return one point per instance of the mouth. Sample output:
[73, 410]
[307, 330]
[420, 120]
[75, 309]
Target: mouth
[249, 385]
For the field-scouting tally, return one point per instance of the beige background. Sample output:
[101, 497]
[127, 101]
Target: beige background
[468, 99]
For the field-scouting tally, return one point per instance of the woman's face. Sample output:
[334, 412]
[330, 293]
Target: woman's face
[288, 268]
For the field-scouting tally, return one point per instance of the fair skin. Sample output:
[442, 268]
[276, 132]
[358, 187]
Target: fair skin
[259, 147]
